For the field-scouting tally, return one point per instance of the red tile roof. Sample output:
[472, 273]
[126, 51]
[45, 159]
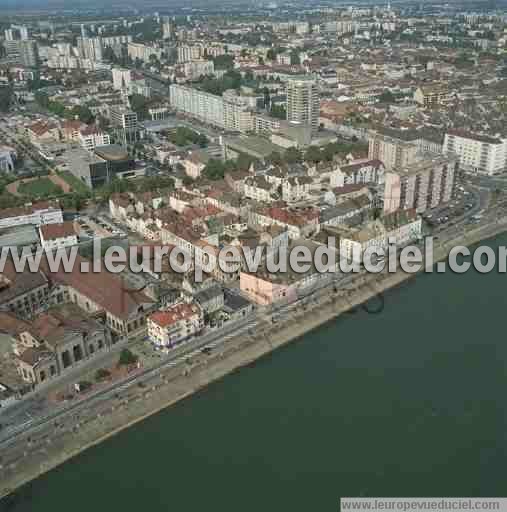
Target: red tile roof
[174, 314]
[107, 290]
[54, 231]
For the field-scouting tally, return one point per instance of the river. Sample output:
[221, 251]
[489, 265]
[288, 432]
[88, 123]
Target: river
[408, 402]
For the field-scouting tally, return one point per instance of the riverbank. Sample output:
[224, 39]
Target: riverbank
[55, 449]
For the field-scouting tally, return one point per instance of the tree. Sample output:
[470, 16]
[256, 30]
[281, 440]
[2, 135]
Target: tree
[387, 97]
[127, 358]
[271, 54]
[214, 170]
[109, 55]
[313, 154]
[223, 62]
[6, 97]
[244, 161]
[292, 156]
[75, 201]
[139, 104]
[183, 136]
[278, 111]
[102, 374]
[267, 98]
[83, 113]
[294, 57]
[42, 99]
[275, 158]
[84, 385]
[187, 181]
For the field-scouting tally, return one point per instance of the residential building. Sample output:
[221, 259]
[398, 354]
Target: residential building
[188, 53]
[201, 105]
[43, 131]
[36, 214]
[57, 236]
[92, 136]
[421, 185]
[167, 30]
[431, 95]
[401, 227]
[143, 52]
[197, 68]
[258, 188]
[195, 163]
[477, 153]
[121, 79]
[24, 52]
[303, 103]
[90, 48]
[367, 172]
[176, 324]
[394, 153]
[210, 298]
[124, 123]
[70, 130]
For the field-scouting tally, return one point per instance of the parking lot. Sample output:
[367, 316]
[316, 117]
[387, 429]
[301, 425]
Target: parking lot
[98, 227]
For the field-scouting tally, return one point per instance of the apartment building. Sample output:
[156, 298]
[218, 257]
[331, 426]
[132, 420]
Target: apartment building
[303, 103]
[90, 48]
[401, 226]
[477, 153]
[23, 51]
[121, 79]
[394, 153]
[167, 30]
[92, 136]
[199, 104]
[57, 236]
[116, 40]
[35, 214]
[431, 95]
[258, 188]
[362, 172]
[197, 68]
[174, 325]
[266, 124]
[421, 185]
[142, 52]
[228, 112]
[187, 53]
[238, 117]
[124, 122]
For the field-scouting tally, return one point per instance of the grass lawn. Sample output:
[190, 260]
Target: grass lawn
[77, 186]
[39, 187]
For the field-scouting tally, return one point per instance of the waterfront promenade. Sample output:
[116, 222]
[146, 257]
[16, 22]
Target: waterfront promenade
[33, 455]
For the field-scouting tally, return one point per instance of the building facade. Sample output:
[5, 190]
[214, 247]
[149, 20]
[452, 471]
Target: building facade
[303, 103]
[477, 153]
[423, 185]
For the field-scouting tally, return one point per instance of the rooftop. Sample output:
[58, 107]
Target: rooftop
[112, 152]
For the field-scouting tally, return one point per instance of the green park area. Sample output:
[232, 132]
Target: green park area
[77, 186]
[40, 187]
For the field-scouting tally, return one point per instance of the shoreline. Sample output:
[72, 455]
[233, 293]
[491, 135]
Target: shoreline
[168, 392]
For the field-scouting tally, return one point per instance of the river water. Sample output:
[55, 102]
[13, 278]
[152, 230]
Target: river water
[408, 402]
